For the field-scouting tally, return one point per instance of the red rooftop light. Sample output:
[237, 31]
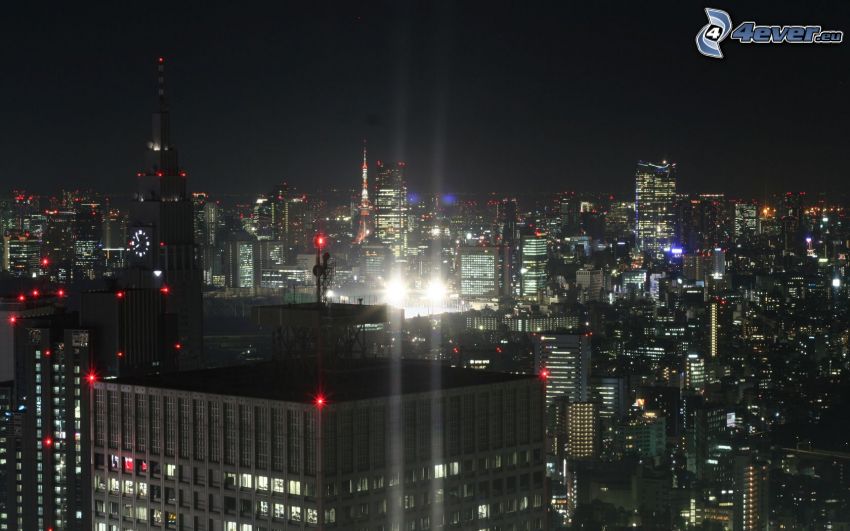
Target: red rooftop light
[177, 346]
[544, 374]
[320, 401]
[45, 261]
[48, 442]
[119, 294]
[22, 297]
[164, 290]
[35, 293]
[61, 292]
[13, 319]
[120, 354]
[91, 377]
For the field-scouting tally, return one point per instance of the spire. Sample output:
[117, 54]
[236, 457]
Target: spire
[164, 155]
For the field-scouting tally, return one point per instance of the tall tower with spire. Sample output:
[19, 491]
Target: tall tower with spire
[161, 245]
[363, 230]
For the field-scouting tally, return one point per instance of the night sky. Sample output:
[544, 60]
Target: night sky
[473, 95]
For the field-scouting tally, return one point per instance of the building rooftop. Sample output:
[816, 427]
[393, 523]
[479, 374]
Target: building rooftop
[294, 381]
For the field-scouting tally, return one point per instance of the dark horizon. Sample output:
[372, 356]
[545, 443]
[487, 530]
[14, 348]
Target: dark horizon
[475, 97]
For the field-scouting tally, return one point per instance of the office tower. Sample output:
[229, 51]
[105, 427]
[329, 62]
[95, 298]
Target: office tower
[278, 199]
[655, 192]
[239, 263]
[694, 372]
[57, 245]
[535, 253]
[610, 393]
[620, 221]
[565, 361]
[199, 220]
[22, 254]
[583, 430]
[88, 240]
[391, 208]
[114, 242]
[364, 210]
[506, 219]
[299, 224]
[262, 446]
[479, 272]
[48, 466]
[262, 219]
[161, 243]
[746, 220]
[590, 284]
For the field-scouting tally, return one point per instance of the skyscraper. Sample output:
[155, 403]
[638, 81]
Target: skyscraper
[565, 358]
[391, 208]
[655, 191]
[47, 460]
[161, 235]
[479, 272]
[534, 249]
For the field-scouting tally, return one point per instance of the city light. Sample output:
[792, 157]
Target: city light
[395, 292]
[436, 290]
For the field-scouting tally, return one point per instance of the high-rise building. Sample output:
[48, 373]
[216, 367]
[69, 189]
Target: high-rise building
[479, 272]
[590, 283]
[564, 359]
[751, 494]
[239, 263]
[263, 446]
[88, 240]
[583, 430]
[161, 239]
[746, 220]
[21, 254]
[47, 466]
[199, 220]
[391, 208]
[655, 192]
[58, 245]
[535, 251]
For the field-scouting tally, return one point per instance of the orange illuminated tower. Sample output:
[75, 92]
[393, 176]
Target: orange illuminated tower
[365, 206]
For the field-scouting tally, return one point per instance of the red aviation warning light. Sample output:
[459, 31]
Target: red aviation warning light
[45, 262]
[320, 401]
[177, 346]
[119, 294]
[22, 297]
[48, 442]
[319, 241]
[91, 377]
[164, 290]
[13, 319]
[60, 293]
[544, 374]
